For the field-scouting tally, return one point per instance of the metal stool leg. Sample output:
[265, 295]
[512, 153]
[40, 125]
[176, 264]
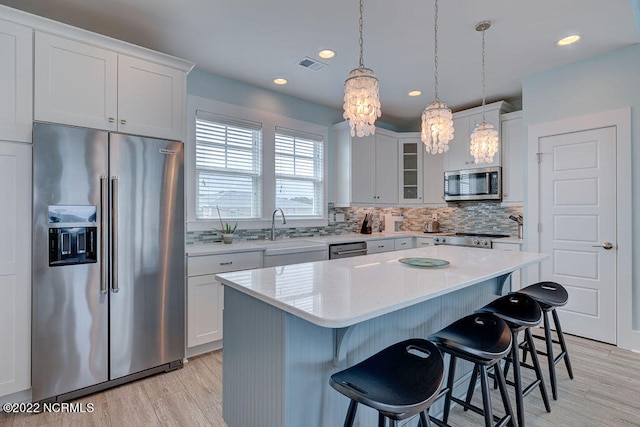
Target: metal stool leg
[517, 378]
[351, 414]
[447, 399]
[502, 384]
[486, 397]
[550, 358]
[424, 419]
[382, 422]
[536, 368]
[472, 385]
[563, 346]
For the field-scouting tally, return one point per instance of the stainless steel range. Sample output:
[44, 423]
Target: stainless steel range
[476, 240]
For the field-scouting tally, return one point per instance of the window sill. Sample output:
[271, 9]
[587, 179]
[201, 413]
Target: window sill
[247, 224]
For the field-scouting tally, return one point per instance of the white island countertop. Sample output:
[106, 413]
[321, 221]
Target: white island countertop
[340, 293]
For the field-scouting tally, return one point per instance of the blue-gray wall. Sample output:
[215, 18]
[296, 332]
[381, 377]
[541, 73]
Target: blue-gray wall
[231, 91]
[597, 84]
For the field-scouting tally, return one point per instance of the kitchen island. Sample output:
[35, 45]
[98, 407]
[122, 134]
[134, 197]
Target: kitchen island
[288, 329]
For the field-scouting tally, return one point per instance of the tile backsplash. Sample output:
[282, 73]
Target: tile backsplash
[465, 217]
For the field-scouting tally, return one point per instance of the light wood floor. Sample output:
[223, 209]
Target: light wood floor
[605, 392]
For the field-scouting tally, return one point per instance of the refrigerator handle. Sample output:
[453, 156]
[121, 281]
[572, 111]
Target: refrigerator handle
[104, 211]
[114, 234]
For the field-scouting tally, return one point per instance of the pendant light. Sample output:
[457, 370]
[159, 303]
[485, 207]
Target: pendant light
[437, 120]
[361, 96]
[484, 138]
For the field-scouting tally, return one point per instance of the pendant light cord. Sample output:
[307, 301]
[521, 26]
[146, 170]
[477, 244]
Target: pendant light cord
[483, 77]
[361, 40]
[435, 48]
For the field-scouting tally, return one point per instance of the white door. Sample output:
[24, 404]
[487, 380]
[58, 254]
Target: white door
[577, 184]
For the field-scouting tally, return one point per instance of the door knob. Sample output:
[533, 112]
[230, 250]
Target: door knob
[605, 245]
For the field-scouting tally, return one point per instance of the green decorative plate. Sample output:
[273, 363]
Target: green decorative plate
[424, 262]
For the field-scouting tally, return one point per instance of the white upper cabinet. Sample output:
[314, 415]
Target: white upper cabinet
[150, 98]
[410, 156]
[75, 83]
[433, 179]
[464, 122]
[16, 63]
[513, 160]
[366, 168]
[84, 85]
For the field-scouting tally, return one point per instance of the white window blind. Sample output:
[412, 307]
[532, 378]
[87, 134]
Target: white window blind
[227, 167]
[299, 173]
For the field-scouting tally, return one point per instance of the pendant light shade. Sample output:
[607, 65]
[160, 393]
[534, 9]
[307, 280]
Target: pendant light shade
[437, 127]
[437, 120]
[484, 138]
[484, 143]
[361, 96]
[362, 101]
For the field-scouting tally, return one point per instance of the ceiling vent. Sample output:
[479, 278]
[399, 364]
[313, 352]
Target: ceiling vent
[311, 64]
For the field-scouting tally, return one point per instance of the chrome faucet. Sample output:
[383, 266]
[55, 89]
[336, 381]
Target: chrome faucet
[273, 222]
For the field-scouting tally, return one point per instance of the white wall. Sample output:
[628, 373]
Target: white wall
[598, 84]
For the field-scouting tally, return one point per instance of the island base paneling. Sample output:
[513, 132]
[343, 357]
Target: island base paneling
[277, 366]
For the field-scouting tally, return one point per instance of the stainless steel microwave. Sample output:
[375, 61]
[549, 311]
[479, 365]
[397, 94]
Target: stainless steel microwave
[473, 184]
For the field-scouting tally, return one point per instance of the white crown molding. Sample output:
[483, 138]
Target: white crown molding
[39, 23]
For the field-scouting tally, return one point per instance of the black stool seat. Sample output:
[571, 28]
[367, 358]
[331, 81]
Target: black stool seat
[399, 382]
[550, 295]
[521, 312]
[517, 310]
[482, 336]
[483, 339]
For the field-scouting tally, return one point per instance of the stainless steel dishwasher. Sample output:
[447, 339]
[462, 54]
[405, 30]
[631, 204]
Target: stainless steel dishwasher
[346, 250]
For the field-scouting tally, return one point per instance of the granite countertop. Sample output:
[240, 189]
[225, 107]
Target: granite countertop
[299, 244]
[511, 239]
[306, 244]
[343, 292]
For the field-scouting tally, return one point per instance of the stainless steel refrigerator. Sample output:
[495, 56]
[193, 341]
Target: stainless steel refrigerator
[108, 259]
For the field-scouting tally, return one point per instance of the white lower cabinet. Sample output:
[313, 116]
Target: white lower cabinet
[381, 245]
[516, 276]
[403, 243]
[15, 268]
[421, 242]
[294, 258]
[205, 297]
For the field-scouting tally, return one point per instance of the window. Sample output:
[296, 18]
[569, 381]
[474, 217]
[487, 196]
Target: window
[227, 167]
[299, 173]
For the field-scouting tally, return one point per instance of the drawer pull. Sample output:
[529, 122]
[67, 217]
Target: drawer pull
[226, 263]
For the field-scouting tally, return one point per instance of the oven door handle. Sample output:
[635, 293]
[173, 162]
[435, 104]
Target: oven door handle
[351, 251]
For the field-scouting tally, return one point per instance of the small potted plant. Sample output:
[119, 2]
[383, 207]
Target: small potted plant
[226, 229]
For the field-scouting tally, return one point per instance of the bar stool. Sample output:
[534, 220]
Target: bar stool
[482, 339]
[399, 382]
[521, 312]
[550, 295]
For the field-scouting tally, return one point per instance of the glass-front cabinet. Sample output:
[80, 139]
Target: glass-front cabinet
[410, 167]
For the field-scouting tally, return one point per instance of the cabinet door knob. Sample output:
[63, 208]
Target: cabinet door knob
[123, 122]
[112, 119]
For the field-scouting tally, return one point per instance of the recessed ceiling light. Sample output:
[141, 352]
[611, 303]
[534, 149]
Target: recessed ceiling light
[415, 93]
[568, 40]
[326, 53]
[280, 81]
